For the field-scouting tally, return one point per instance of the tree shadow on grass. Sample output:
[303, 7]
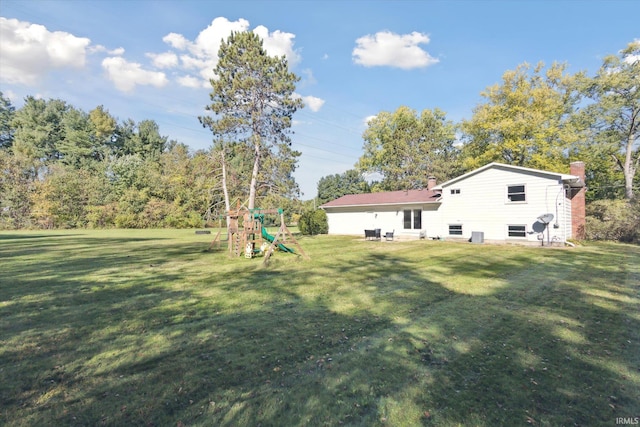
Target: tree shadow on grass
[146, 355]
[34, 245]
[9, 236]
[381, 340]
[548, 348]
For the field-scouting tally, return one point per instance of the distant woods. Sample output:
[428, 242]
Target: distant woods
[61, 167]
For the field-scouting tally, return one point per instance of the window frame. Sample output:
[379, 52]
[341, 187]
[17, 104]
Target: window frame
[455, 191]
[523, 231]
[407, 222]
[456, 233]
[417, 219]
[522, 193]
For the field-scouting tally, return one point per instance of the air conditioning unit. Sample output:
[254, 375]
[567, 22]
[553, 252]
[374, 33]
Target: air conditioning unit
[477, 237]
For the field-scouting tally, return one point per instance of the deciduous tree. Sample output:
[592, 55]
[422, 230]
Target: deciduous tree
[331, 187]
[406, 148]
[614, 115]
[16, 188]
[104, 129]
[525, 120]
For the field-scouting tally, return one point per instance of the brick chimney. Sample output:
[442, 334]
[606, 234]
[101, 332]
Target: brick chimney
[431, 182]
[578, 221]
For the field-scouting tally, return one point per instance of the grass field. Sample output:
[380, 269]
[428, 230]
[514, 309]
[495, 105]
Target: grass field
[144, 327]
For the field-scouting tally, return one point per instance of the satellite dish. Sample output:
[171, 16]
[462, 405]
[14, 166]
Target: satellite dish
[539, 226]
[546, 218]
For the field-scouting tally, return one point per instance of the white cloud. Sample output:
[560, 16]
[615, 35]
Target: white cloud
[11, 95]
[164, 60]
[176, 40]
[632, 59]
[30, 51]
[201, 54]
[126, 75]
[394, 50]
[190, 81]
[100, 48]
[309, 79]
[209, 40]
[278, 43]
[191, 63]
[368, 119]
[313, 103]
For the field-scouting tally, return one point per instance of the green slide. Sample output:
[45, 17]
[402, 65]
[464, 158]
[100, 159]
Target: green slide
[268, 237]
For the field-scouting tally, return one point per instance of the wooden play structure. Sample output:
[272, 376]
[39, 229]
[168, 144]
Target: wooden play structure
[247, 235]
[216, 243]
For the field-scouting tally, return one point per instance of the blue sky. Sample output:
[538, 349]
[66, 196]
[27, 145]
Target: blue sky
[150, 59]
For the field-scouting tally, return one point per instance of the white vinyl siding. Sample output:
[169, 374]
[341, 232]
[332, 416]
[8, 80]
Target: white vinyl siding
[353, 220]
[483, 206]
[479, 202]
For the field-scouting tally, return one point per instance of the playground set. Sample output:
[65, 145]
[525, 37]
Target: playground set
[247, 235]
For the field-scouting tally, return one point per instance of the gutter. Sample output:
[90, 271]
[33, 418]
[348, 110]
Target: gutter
[439, 200]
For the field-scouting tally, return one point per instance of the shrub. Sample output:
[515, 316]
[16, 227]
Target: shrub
[155, 212]
[614, 220]
[314, 222]
[102, 216]
[126, 220]
[295, 218]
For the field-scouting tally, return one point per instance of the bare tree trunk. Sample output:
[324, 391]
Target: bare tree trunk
[254, 174]
[629, 169]
[225, 191]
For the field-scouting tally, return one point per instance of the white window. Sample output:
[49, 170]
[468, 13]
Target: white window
[455, 191]
[417, 219]
[455, 229]
[516, 193]
[517, 230]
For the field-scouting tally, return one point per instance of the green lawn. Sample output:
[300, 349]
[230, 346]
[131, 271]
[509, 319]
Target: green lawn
[144, 327]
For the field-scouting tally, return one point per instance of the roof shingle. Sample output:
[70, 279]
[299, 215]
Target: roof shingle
[386, 198]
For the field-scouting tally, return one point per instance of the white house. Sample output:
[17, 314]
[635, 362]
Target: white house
[498, 202]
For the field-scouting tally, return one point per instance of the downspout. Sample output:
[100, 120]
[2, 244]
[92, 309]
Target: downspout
[556, 225]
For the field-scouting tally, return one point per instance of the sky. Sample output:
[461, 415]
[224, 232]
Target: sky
[153, 59]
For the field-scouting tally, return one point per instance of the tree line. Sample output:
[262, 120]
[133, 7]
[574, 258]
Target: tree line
[63, 167]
